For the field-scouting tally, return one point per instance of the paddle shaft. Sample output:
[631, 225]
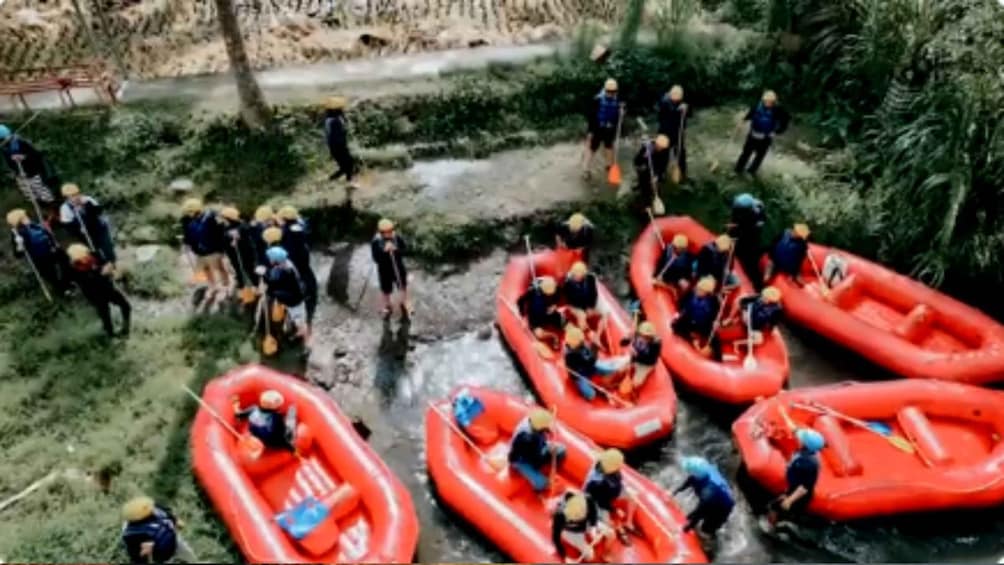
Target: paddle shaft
[819, 275]
[655, 228]
[608, 393]
[226, 425]
[446, 419]
[34, 270]
[529, 258]
[721, 308]
[750, 359]
[897, 441]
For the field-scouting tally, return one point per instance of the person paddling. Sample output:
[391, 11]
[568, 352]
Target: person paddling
[150, 533]
[714, 496]
[675, 268]
[540, 306]
[530, 451]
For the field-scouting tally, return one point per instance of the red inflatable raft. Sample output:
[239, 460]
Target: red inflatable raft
[728, 381]
[370, 517]
[891, 447]
[896, 322]
[610, 423]
[505, 509]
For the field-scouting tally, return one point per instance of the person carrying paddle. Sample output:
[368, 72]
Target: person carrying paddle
[583, 364]
[788, 253]
[575, 233]
[650, 164]
[34, 175]
[581, 294]
[239, 248]
[388, 248]
[801, 475]
[286, 289]
[673, 114]
[95, 283]
[296, 242]
[604, 117]
[746, 225]
[605, 486]
[150, 533]
[714, 496]
[766, 119]
[675, 267]
[575, 522]
[698, 312]
[265, 421]
[530, 451]
[36, 243]
[264, 218]
[84, 217]
[645, 349]
[540, 306]
[202, 235]
[337, 136]
[713, 260]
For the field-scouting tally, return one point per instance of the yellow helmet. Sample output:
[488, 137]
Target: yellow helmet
[264, 213]
[540, 419]
[662, 142]
[191, 206]
[610, 85]
[289, 213]
[676, 93]
[78, 252]
[576, 221]
[771, 294]
[769, 96]
[272, 235]
[578, 270]
[69, 189]
[647, 329]
[271, 400]
[723, 242]
[706, 285]
[801, 230]
[336, 103]
[137, 509]
[231, 213]
[611, 460]
[680, 241]
[573, 336]
[575, 507]
[385, 225]
[548, 285]
[16, 217]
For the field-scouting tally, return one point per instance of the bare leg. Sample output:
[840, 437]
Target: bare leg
[609, 151]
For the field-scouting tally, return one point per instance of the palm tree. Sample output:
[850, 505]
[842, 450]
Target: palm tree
[254, 110]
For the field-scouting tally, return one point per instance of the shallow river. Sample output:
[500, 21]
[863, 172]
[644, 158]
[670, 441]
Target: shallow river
[384, 373]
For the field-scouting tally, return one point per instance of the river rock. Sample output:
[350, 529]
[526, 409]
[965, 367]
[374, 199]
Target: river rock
[181, 186]
[146, 253]
[144, 234]
[485, 333]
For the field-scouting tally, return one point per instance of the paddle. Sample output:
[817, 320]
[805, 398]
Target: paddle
[655, 228]
[34, 269]
[269, 345]
[899, 442]
[366, 284]
[825, 290]
[612, 396]
[706, 350]
[247, 293]
[554, 454]
[614, 173]
[657, 206]
[494, 463]
[675, 173]
[749, 363]
[252, 443]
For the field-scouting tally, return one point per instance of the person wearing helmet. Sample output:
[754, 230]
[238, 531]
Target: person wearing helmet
[388, 249]
[650, 164]
[202, 235]
[285, 287]
[605, 487]
[698, 311]
[36, 178]
[530, 451]
[296, 242]
[95, 283]
[673, 114]
[264, 218]
[266, 421]
[748, 215]
[580, 294]
[540, 306]
[675, 268]
[766, 119]
[575, 522]
[336, 133]
[788, 253]
[604, 116]
[84, 217]
[801, 475]
[762, 312]
[645, 350]
[150, 533]
[583, 364]
[239, 248]
[714, 260]
[576, 234]
[714, 496]
[36, 243]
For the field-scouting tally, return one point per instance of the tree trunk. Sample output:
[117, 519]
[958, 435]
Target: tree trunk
[254, 111]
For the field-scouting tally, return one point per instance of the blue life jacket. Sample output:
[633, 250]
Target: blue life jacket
[645, 351]
[37, 241]
[581, 360]
[268, 426]
[764, 314]
[528, 446]
[157, 528]
[789, 253]
[802, 471]
[200, 236]
[714, 490]
[763, 121]
[581, 294]
[466, 407]
[603, 488]
[609, 110]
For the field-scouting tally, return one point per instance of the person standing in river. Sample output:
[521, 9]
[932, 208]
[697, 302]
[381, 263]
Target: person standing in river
[336, 133]
[766, 119]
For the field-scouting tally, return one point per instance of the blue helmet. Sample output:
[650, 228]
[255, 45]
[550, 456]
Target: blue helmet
[744, 200]
[276, 255]
[697, 467]
[4, 132]
[810, 440]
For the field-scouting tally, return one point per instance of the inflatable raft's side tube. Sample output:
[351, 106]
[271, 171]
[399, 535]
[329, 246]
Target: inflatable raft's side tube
[918, 428]
[838, 451]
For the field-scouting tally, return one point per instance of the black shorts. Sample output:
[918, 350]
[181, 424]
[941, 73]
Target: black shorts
[388, 280]
[605, 136]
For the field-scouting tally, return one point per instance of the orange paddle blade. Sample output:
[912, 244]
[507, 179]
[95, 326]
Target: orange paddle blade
[614, 175]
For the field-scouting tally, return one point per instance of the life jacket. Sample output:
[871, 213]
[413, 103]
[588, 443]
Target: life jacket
[536, 304]
[603, 488]
[528, 445]
[789, 253]
[646, 350]
[37, 240]
[700, 312]
[582, 360]
[681, 265]
[268, 426]
[581, 294]
[608, 110]
[294, 241]
[715, 490]
[200, 236]
[765, 315]
[763, 122]
[284, 284]
[159, 529]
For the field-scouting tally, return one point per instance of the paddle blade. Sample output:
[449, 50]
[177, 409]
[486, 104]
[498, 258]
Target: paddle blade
[675, 174]
[658, 207]
[278, 312]
[269, 346]
[614, 175]
[199, 277]
[543, 350]
[248, 295]
[879, 427]
[901, 443]
[750, 363]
